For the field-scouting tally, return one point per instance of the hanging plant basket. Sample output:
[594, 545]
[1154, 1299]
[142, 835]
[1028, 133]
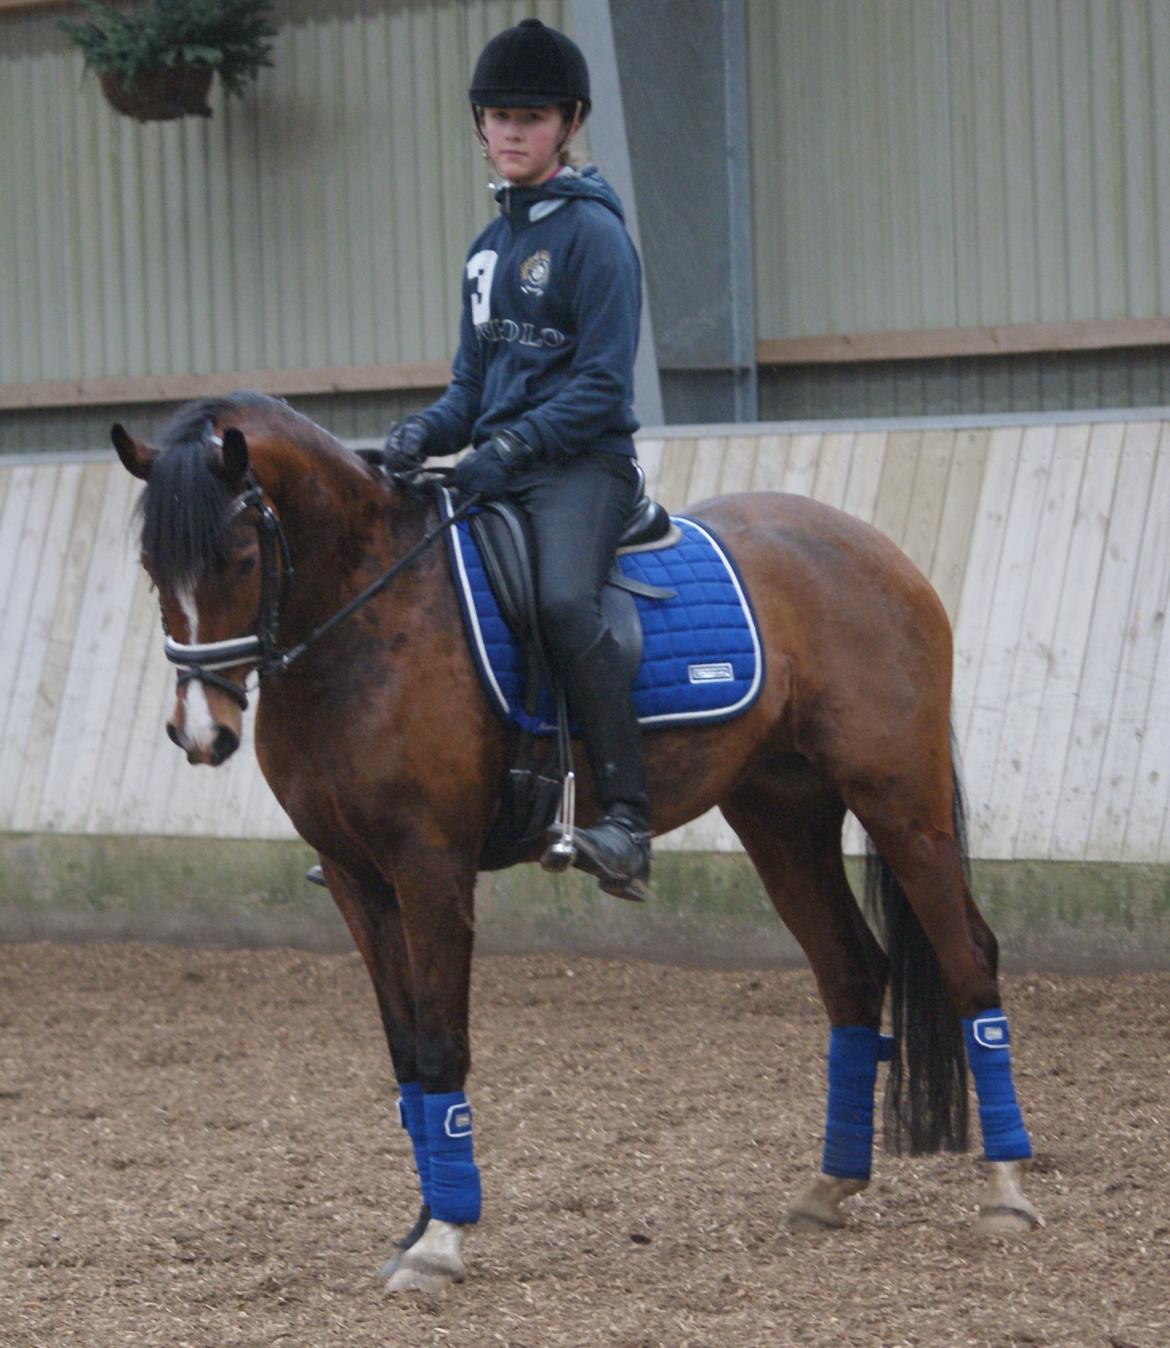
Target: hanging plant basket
[160, 95]
[156, 61]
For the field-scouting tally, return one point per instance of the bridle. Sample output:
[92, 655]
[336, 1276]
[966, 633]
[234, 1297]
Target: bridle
[202, 661]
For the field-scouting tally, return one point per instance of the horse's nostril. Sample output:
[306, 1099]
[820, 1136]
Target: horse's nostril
[226, 743]
[173, 734]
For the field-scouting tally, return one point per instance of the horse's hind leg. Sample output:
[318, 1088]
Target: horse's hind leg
[918, 836]
[789, 821]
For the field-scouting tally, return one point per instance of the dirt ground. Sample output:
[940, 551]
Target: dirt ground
[196, 1148]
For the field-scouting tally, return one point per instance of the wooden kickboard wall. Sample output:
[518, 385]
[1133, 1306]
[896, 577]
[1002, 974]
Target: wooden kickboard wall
[1049, 544]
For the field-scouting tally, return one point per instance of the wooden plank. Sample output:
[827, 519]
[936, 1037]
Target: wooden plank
[705, 469]
[801, 472]
[1003, 635]
[892, 507]
[675, 473]
[18, 694]
[1008, 339]
[75, 766]
[28, 811]
[834, 462]
[21, 572]
[650, 457]
[141, 713]
[1148, 814]
[978, 590]
[865, 474]
[1074, 614]
[424, 375]
[957, 521]
[1031, 667]
[17, 501]
[925, 506]
[1129, 719]
[739, 461]
[771, 463]
[1105, 645]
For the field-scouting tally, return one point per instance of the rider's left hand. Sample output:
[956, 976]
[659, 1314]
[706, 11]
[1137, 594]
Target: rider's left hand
[489, 470]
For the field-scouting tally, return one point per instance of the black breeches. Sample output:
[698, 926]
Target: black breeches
[576, 509]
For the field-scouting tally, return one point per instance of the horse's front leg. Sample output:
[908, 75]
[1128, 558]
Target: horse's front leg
[436, 896]
[370, 908]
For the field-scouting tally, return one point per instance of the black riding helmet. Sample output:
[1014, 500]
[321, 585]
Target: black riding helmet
[530, 66]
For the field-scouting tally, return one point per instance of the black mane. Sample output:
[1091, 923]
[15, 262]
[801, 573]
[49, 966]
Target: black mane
[183, 507]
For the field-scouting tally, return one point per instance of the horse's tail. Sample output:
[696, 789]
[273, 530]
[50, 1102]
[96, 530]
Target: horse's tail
[926, 1090]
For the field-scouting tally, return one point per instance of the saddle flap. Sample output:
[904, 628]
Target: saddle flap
[505, 549]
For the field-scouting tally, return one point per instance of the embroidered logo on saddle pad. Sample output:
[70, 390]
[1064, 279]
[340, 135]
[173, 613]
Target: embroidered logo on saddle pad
[701, 655]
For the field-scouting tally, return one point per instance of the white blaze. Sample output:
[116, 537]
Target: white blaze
[198, 725]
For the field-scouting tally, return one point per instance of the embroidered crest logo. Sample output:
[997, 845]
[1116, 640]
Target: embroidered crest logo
[534, 272]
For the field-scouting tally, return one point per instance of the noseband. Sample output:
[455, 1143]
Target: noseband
[202, 660]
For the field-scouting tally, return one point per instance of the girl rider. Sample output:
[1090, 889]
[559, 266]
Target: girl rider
[542, 386]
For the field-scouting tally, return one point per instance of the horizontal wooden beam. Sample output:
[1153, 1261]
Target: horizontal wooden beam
[932, 343]
[173, 388]
[6, 6]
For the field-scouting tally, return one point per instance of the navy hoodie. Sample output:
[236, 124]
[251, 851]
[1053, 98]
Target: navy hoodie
[552, 292]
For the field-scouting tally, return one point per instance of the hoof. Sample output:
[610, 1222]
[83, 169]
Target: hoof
[1001, 1221]
[432, 1263]
[409, 1279]
[1004, 1209]
[819, 1207]
[412, 1237]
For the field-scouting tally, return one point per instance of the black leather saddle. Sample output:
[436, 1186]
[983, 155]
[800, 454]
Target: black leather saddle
[506, 552]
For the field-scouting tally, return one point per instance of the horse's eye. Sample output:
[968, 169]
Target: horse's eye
[247, 566]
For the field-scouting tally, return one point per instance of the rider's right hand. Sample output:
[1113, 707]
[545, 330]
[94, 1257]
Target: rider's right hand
[405, 446]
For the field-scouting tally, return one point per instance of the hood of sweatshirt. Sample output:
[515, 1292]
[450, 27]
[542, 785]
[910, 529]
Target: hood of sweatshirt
[523, 205]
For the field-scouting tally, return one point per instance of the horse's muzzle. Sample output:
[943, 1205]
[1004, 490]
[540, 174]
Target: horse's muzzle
[224, 743]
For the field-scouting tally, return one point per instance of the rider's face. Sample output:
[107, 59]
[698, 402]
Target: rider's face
[524, 143]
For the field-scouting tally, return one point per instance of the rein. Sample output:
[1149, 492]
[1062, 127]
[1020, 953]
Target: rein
[202, 660]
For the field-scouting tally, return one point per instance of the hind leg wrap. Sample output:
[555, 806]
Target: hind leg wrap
[989, 1056]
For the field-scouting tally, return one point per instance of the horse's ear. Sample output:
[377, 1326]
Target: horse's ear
[136, 455]
[235, 456]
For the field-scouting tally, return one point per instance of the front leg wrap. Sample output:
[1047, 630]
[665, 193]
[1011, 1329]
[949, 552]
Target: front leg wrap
[412, 1116]
[453, 1181]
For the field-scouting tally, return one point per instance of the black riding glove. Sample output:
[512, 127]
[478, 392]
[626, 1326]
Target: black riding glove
[406, 446]
[489, 470]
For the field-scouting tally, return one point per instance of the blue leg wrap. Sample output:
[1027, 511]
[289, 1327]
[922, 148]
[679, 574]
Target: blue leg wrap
[854, 1051]
[454, 1178]
[989, 1055]
[413, 1118]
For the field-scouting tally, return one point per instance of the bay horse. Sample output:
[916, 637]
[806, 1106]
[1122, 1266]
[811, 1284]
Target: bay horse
[259, 529]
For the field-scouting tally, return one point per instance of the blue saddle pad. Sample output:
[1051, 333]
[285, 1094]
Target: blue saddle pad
[701, 655]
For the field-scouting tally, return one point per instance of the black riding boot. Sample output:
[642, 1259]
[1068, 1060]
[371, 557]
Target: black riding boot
[617, 848]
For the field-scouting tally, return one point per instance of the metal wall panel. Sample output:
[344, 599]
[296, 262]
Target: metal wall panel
[1138, 378]
[1049, 544]
[321, 221]
[936, 163]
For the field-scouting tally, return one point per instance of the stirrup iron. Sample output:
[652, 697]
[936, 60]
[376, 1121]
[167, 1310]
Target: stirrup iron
[562, 851]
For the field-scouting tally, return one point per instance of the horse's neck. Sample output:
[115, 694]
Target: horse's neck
[344, 528]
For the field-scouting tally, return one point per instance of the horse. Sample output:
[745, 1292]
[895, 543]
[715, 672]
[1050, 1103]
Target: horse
[278, 550]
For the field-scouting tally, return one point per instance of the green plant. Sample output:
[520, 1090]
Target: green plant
[230, 36]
